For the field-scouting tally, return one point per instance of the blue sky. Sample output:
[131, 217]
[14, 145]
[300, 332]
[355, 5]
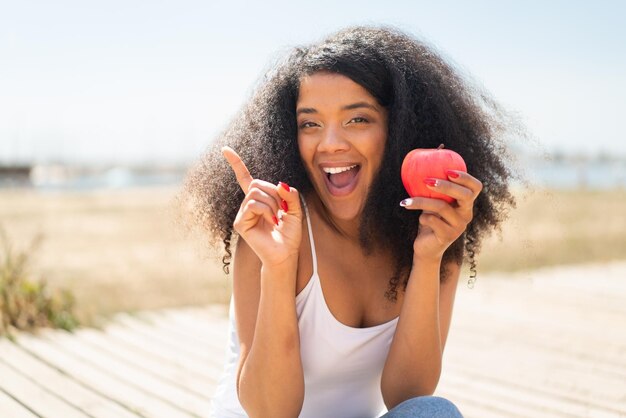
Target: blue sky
[122, 81]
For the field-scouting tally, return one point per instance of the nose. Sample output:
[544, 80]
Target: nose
[333, 140]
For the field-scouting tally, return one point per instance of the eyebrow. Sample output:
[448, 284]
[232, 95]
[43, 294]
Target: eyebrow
[352, 106]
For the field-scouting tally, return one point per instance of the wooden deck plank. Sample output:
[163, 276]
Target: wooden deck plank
[160, 369]
[577, 348]
[506, 399]
[548, 313]
[208, 339]
[472, 405]
[532, 389]
[185, 346]
[210, 331]
[212, 322]
[534, 344]
[132, 398]
[9, 407]
[61, 385]
[536, 340]
[38, 399]
[146, 345]
[173, 394]
[551, 370]
[582, 317]
[537, 402]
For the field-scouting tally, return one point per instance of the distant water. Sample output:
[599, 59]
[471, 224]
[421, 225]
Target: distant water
[115, 182]
[72, 179]
[545, 173]
[572, 175]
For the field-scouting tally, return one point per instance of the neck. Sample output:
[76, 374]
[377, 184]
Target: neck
[347, 229]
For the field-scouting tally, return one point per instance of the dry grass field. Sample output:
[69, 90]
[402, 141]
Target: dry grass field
[117, 250]
[123, 250]
[551, 228]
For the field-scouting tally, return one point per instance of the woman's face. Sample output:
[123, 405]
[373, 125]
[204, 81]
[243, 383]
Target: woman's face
[342, 132]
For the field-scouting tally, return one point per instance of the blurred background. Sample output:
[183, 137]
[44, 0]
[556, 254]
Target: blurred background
[105, 105]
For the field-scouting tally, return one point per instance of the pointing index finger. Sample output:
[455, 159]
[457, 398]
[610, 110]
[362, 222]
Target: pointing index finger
[241, 171]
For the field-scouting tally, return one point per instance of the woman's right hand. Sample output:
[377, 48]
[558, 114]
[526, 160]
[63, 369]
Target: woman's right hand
[272, 232]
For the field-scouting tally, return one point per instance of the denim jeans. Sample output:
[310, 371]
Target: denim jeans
[424, 407]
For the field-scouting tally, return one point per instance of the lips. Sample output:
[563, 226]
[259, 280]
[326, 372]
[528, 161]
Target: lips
[341, 181]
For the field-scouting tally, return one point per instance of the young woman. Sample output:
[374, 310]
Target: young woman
[342, 288]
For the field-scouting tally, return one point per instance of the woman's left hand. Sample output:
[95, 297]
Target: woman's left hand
[441, 223]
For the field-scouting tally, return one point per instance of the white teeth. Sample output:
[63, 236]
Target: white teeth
[336, 170]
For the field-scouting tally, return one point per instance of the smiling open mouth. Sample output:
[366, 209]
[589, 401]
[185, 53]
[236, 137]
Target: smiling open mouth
[341, 180]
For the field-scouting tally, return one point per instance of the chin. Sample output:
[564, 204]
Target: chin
[345, 208]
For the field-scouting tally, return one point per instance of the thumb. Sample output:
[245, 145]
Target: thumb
[292, 197]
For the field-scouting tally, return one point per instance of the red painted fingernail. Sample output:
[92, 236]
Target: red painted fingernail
[275, 219]
[452, 174]
[431, 182]
[285, 185]
[284, 205]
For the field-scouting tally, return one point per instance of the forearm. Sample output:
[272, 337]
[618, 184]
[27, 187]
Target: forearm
[413, 365]
[272, 381]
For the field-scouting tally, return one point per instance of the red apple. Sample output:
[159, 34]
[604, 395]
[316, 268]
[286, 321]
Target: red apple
[423, 163]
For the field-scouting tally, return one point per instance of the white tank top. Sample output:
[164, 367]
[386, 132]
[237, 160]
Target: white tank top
[342, 365]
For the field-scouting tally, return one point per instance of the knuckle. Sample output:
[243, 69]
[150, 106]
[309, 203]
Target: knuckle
[254, 193]
[256, 184]
[257, 194]
[249, 204]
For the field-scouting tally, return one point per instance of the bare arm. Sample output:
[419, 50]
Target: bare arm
[270, 381]
[413, 365]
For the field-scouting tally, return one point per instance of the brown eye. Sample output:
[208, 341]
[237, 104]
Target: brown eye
[307, 125]
[359, 120]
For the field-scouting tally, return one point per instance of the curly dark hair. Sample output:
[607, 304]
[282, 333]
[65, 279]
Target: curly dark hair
[428, 104]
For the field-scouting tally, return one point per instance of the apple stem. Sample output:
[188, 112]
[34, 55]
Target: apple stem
[440, 146]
